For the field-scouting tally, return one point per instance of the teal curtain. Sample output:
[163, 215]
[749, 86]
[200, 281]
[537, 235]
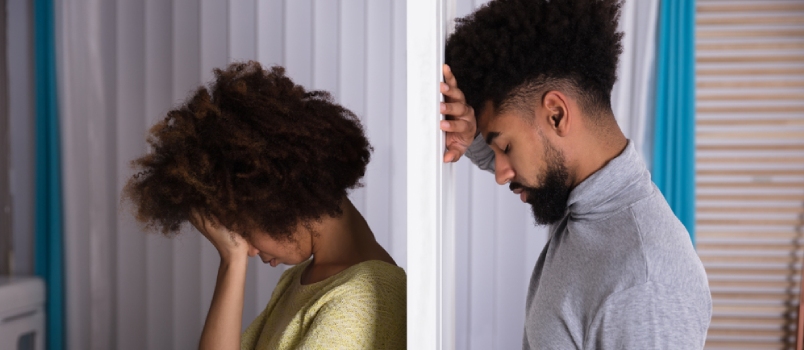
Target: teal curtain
[674, 132]
[48, 243]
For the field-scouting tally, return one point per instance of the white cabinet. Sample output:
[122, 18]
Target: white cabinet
[22, 313]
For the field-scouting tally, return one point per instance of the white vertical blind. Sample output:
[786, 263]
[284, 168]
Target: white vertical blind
[123, 65]
[19, 51]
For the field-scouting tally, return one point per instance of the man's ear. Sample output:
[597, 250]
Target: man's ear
[557, 112]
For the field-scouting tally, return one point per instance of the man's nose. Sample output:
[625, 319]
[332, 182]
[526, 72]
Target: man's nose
[503, 172]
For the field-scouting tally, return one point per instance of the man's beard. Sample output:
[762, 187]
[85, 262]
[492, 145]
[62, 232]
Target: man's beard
[549, 200]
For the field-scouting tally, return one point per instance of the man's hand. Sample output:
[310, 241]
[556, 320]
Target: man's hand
[460, 123]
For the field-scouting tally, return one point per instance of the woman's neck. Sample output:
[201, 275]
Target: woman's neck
[341, 242]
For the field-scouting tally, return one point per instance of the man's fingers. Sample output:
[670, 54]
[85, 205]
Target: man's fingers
[452, 93]
[455, 109]
[452, 156]
[456, 126]
[449, 78]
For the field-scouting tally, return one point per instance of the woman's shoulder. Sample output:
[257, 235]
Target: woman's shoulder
[375, 274]
[372, 282]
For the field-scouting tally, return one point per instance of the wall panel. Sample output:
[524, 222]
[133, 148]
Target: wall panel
[130, 247]
[158, 99]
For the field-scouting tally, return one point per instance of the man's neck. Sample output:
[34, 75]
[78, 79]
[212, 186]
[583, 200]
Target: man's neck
[601, 150]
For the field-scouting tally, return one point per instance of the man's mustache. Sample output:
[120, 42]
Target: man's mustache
[515, 185]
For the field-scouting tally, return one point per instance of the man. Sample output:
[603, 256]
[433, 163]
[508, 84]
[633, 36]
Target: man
[619, 270]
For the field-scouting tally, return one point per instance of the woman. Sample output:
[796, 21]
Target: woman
[262, 167]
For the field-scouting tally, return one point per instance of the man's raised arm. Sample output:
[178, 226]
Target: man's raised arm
[460, 126]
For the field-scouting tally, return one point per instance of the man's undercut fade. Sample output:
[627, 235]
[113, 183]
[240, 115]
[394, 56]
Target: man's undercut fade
[509, 49]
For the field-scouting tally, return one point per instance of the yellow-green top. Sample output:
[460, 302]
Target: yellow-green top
[362, 307]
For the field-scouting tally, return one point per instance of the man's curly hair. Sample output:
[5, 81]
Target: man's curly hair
[508, 46]
[255, 151]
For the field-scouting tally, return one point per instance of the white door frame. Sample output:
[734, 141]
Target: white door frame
[430, 183]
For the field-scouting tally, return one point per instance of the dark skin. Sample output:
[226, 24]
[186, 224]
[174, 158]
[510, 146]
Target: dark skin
[588, 143]
[335, 243]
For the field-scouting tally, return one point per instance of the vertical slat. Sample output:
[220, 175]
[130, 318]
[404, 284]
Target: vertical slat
[378, 110]
[130, 243]
[158, 99]
[214, 42]
[621, 92]
[103, 97]
[463, 230]
[186, 64]
[271, 32]
[270, 50]
[463, 233]
[509, 310]
[89, 147]
[5, 193]
[326, 49]
[352, 82]
[298, 41]
[482, 250]
[214, 36]
[398, 121]
[242, 30]
[20, 123]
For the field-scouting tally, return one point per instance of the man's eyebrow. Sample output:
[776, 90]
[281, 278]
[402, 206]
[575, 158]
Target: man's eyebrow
[490, 137]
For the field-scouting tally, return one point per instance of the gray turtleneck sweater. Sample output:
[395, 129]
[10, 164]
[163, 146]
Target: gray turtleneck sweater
[619, 271]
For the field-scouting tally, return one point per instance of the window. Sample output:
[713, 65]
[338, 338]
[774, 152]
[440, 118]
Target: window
[750, 168]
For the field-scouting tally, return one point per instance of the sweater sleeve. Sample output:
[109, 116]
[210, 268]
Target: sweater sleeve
[481, 154]
[651, 316]
[362, 317]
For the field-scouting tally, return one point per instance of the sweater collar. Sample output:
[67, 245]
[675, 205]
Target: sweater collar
[622, 181]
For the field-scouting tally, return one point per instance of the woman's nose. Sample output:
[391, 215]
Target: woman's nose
[252, 252]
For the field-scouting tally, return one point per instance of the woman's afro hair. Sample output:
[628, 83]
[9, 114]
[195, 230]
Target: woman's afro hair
[508, 44]
[255, 151]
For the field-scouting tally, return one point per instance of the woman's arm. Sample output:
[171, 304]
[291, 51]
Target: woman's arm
[223, 324]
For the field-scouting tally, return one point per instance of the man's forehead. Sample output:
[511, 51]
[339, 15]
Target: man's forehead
[487, 114]
[490, 117]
